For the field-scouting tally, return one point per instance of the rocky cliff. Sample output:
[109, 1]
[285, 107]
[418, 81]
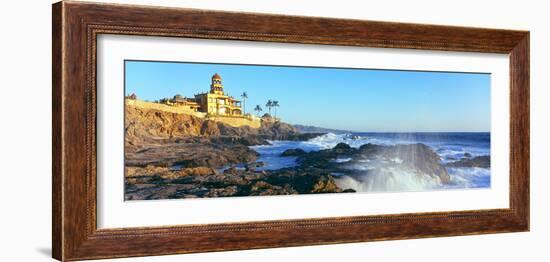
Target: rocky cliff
[174, 155]
[143, 124]
[160, 138]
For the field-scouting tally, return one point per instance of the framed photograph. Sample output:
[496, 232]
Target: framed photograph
[182, 130]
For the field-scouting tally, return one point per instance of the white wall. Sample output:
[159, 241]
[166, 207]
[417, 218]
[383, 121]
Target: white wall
[25, 55]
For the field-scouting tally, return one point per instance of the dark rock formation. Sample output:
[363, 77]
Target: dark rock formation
[171, 155]
[420, 157]
[415, 157]
[293, 152]
[479, 161]
[312, 175]
[277, 130]
[165, 139]
[162, 183]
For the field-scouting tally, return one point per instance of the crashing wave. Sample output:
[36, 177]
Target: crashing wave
[388, 180]
[330, 140]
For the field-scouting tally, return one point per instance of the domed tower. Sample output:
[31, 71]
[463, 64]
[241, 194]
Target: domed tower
[216, 87]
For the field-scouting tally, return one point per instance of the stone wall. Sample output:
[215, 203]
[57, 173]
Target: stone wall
[235, 121]
[166, 108]
[238, 121]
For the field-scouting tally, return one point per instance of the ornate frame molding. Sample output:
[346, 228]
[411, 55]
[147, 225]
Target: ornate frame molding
[76, 26]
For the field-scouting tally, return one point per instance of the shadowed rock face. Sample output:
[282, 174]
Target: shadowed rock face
[165, 139]
[170, 155]
[143, 124]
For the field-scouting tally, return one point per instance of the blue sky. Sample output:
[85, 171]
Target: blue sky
[348, 99]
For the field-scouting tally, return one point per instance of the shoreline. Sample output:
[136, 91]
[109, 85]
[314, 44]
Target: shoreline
[169, 156]
[314, 172]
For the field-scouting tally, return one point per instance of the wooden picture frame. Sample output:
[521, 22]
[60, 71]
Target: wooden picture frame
[76, 26]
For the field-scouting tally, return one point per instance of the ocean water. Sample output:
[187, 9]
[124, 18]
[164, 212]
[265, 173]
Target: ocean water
[391, 178]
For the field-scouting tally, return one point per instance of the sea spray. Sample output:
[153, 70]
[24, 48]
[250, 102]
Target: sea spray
[388, 180]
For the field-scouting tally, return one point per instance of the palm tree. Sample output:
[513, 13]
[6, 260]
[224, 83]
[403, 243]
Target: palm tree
[244, 96]
[258, 109]
[269, 105]
[275, 104]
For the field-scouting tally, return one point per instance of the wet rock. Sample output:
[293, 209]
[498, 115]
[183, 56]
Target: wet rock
[479, 161]
[323, 159]
[262, 188]
[177, 156]
[343, 148]
[369, 149]
[305, 181]
[252, 166]
[221, 192]
[293, 152]
[151, 191]
[415, 157]
[236, 182]
[420, 157]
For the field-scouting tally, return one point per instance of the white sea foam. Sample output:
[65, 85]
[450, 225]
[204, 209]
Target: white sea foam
[380, 174]
[394, 179]
[270, 154]
[469, 177]
[389, 179]
[454, 153]
[342, 160]
[330, 140]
